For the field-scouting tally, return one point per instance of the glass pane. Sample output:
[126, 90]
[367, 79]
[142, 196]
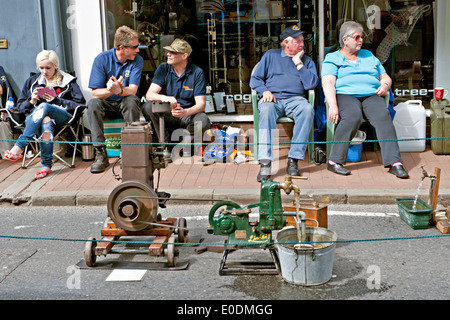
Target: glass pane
[228, 37]
[400, 34]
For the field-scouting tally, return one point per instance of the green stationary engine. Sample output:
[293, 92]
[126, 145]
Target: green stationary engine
[242, 229]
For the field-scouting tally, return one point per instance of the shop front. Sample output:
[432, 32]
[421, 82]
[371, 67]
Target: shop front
[229, 37]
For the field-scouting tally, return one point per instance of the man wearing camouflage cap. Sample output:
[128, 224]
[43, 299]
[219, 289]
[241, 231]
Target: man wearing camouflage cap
[182, 84]
[282, 79]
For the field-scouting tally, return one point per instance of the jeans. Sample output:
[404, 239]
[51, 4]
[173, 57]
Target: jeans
[129, 108]
[34, 125]
[296, 108]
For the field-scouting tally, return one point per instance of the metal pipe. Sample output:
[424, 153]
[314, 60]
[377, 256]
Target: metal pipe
[57, 25]
[41, 24]
[322, 34]
[104, 25]
[162, 225]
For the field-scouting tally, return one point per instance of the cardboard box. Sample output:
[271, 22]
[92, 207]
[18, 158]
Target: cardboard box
[276, 9]
[261, 9]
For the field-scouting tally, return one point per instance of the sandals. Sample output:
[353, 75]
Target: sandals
[42, 174]
[8, 155]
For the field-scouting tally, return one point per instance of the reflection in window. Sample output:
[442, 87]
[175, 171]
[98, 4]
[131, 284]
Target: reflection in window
[229, 36]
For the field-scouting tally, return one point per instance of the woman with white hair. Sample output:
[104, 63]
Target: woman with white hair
[49, 98]
[355, 84]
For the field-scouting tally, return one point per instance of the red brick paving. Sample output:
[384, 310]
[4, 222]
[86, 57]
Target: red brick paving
[369, 173]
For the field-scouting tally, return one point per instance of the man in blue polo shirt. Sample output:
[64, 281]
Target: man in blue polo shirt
[114, 81]
[182, 84]
[281, 79]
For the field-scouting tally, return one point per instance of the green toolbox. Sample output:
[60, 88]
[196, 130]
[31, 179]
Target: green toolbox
[440, 126]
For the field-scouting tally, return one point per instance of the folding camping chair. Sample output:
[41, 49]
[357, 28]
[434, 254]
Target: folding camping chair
[73, 126]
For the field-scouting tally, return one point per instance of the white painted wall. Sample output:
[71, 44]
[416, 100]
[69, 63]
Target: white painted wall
[85, 23]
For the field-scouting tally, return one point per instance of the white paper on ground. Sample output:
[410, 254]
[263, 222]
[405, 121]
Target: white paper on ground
[126, 275]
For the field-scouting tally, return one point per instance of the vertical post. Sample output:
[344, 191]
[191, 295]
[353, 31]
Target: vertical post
[434, 191]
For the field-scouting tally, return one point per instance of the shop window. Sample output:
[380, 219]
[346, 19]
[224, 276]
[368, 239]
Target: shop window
[400, 34]
[228, 36]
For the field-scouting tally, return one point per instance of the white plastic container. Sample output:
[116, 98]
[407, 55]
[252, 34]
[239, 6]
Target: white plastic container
[410, 123]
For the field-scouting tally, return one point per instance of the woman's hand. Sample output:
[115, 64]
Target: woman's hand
[385, 84]
[382, 90]
[34, 96]
[49, 98]
[333, 114]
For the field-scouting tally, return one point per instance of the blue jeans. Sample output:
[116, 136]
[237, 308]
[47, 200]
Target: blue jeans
[34, 126]
[296, 108]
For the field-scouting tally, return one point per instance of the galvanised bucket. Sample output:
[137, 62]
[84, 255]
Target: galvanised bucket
[302, 263]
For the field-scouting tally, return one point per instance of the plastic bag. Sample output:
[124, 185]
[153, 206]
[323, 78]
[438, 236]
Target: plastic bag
[221, 148]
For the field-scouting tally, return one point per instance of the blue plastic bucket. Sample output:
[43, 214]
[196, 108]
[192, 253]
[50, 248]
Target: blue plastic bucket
[354, 152]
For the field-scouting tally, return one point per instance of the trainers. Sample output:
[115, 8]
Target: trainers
[101, 160]
[264, 171]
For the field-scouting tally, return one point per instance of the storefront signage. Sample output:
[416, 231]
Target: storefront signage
[413, 92]
[245, 98]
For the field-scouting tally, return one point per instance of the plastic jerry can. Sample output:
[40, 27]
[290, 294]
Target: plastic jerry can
[440, 126]
[410, 123]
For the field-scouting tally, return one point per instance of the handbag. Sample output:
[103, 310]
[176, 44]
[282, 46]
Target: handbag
[319, 156]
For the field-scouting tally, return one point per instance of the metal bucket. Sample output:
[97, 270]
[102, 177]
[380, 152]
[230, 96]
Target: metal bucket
[306, 264]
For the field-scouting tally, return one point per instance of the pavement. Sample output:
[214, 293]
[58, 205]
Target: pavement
[188, 178]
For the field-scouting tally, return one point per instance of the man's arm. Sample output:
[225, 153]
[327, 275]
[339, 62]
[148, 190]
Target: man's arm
[114, 86]
[199, 106]
[258, 78]
[153, 95]
[309, 77]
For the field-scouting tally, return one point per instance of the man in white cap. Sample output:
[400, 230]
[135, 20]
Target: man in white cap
[282, 79]
[182, 84]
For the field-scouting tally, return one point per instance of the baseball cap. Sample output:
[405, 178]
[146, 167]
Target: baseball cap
[292, 31]
[180, 46]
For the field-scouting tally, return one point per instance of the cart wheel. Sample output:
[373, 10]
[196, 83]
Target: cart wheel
[182, 233]
[89, 252]
[171, 252]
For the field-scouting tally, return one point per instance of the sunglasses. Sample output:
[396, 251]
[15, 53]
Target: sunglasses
[132, 47]
[357, 37]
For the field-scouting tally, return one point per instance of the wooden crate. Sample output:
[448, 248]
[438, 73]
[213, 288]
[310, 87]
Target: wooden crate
[312, 211]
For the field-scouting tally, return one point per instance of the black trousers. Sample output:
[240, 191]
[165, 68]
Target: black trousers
[352, 111]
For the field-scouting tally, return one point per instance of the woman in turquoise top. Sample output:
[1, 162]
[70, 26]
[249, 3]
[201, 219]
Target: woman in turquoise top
[354, 84]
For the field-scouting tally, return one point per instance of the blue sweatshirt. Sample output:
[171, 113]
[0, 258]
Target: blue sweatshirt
[277, 73]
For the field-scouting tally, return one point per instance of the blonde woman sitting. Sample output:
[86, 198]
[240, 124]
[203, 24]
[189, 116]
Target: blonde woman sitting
[47, 111]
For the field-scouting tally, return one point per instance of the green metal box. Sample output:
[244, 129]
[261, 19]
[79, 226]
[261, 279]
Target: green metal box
[440, 126]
